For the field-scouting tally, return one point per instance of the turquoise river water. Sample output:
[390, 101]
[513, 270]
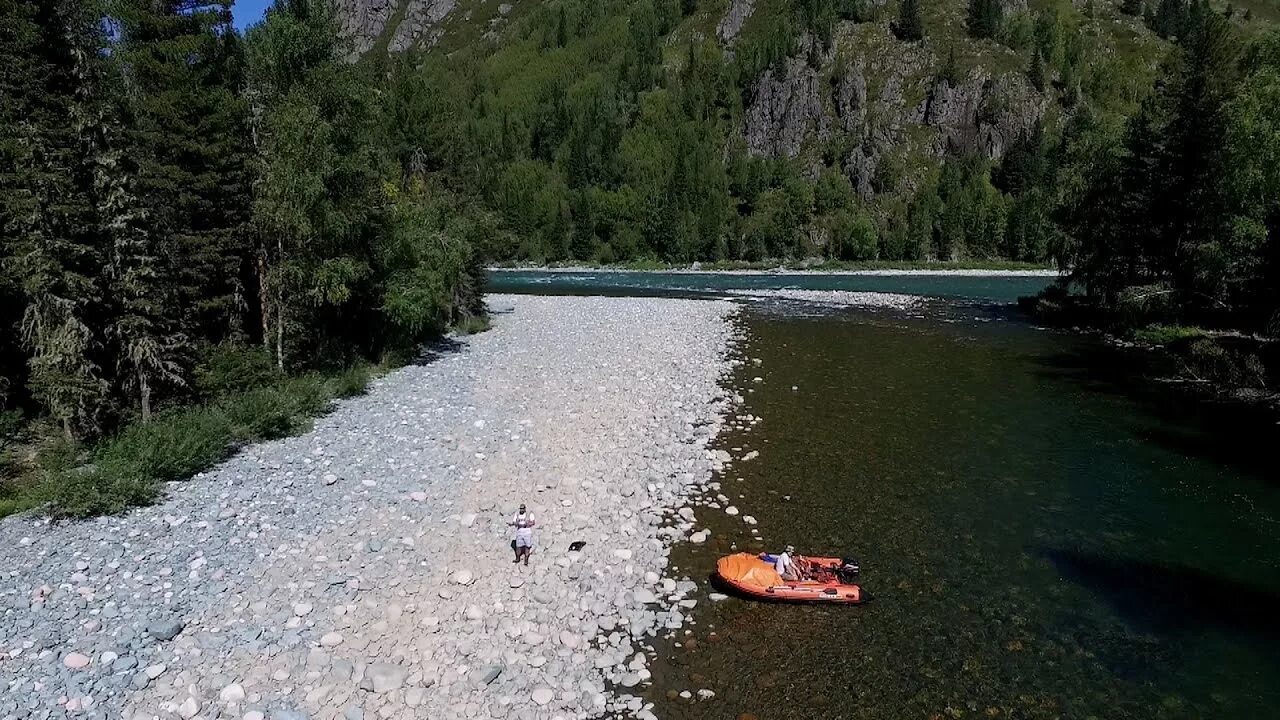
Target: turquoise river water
[1046, 535]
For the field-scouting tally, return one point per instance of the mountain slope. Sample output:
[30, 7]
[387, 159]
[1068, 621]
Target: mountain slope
[802, 128]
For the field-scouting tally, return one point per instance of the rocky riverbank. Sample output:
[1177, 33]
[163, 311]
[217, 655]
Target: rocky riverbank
[363, 570]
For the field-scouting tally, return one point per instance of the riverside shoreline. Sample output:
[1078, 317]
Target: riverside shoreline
[362, 570]
[881, 272]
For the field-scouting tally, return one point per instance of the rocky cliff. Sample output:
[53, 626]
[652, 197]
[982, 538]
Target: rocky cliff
[868, 96]
[402, 24]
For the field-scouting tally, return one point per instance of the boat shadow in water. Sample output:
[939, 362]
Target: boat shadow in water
[1170, 600]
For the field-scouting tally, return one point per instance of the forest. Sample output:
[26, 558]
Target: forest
[606, 132]
[207, 235]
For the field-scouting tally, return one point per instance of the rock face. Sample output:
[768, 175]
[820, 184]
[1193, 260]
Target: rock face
[405, 23]
[421, 24]
[786, 110]
[734, 18]
[874, 96]
[363, 21]
[982, 114]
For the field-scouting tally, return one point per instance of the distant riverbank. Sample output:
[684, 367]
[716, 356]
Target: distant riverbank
[992, 269]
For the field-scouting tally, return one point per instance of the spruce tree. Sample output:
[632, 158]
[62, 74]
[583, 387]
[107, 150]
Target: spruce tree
[985, 18]
[47, 212]
[1036, 73]
[188, 144]
[19, 36]
[909, 26]
[1170, 18]
[1194, 155]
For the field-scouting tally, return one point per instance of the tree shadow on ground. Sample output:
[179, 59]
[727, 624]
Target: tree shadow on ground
[1169, 600]
[437, 349]
[1185, 421]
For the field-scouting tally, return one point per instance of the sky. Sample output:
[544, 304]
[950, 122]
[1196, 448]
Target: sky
[248, 12]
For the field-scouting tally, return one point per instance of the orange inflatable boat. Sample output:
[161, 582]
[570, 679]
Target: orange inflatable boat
[754, 575]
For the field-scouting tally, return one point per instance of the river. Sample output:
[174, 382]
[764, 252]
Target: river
[1044, 536]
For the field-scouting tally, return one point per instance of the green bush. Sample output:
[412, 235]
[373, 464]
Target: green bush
[352, 382]
[1166, 334]
[173, 446]
[1207, 359]
[853, 236]
[10, 423]
[229, 368]
[471, 324]
[127, 469]
[307, 395]
[90, 491]
[262, 414]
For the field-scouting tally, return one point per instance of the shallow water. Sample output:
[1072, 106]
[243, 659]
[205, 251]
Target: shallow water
[986, 288]
[1037, 547]
[1045, 537]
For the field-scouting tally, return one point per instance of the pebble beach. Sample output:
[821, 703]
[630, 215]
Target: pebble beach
[364, 569]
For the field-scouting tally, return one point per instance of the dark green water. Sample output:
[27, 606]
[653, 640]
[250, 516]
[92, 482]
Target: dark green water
[1039, 545]
[1046, 537]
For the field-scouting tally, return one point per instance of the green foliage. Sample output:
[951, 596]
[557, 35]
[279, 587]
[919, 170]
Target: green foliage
[832, 192]
[910, 26]
[985, 18]
[1209, 360]
[176, 445]
[853, 236]
[229, 368]
[471, 324]
[89, 491]
[126, 470]
[1166, 334]
[174, 197]
[1170, 208]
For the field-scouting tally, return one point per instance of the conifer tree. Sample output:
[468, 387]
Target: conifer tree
[188, 144]
[909, 26]
[1036, 73]
[47, 213]
[985, 18]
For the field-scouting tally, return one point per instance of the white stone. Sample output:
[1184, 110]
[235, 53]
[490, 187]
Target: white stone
[543, 695]
[463, 577]
[232, 693]
[302, 609]
[76, 661]
[331, 639]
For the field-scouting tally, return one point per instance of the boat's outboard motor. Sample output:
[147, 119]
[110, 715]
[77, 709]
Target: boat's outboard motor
[848, 570]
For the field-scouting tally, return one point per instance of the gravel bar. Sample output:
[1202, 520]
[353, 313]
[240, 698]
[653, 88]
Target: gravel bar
[363, 570]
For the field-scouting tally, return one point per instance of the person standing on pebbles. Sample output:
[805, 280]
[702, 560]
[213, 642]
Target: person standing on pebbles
[523, 542]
